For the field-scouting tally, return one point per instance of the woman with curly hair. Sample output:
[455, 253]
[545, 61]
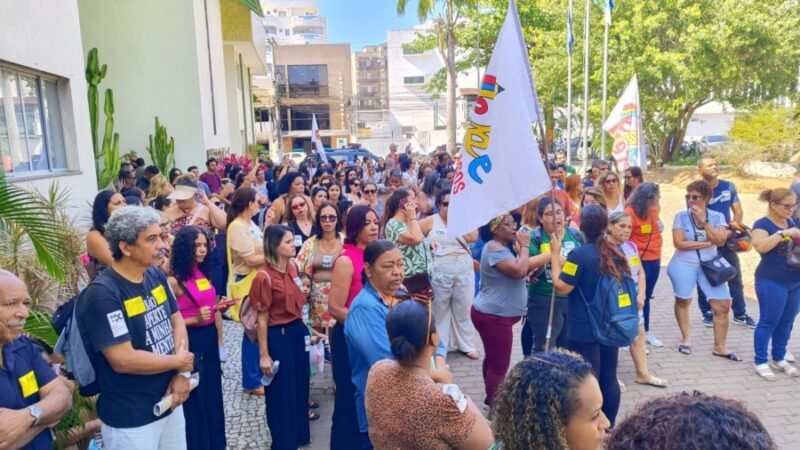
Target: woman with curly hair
[691, 420]
[158, 186]
[550, 401]
[191, 270]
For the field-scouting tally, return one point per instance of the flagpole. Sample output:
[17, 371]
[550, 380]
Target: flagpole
[605, 80]
[585, 131]
[569, 86]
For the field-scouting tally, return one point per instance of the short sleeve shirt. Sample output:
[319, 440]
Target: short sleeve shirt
[646, 234]
[632, 255]
[416, 258]
[116, 310]
[582, 271]
[693, 232]
[244, 239]
[500, 294]
[773, 263]
[540, 245]
[279, 294]
[409, 411]
[722, 198]
[23, 373]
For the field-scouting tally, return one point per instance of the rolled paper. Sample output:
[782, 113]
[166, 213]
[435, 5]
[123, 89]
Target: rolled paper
[166, 403]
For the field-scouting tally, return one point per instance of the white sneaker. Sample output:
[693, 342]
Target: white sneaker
[654, 341]
[223, 354]
[789, 357]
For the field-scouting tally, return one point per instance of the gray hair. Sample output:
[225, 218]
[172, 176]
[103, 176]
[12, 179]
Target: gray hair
[125, 225]
[642, 198]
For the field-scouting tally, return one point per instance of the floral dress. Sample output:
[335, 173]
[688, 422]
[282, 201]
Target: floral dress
[313, 261]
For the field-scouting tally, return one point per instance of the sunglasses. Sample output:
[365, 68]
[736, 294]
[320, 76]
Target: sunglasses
[426, 299]
[693, 198]
[298, 206]
[328, 218]
[445, 204]
[370, 191]
[610, 181]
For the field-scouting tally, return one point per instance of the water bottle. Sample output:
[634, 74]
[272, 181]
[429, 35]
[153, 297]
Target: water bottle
[266, 380]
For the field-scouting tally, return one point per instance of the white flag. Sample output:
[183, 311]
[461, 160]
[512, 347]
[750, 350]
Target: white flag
[500, 167]
[317, 140]
[625, 125]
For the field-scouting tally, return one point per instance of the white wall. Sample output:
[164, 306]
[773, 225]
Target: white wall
[151, 48]
[714, 118]
[45, 36]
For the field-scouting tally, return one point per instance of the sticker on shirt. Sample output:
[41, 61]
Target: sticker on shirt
[544, 248]
[159, 294]
[116, 322]
[454, 392]
[203, 284]
[646, 228]
[570, 268]
[134, 306]
[624, 300]
[28, 384]
[634, 260]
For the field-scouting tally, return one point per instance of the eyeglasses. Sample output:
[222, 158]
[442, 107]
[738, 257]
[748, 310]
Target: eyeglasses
[787, 206]
[610, 181]
[370, 191]
[298, 206]
[693, 198]
[627, 177]
[445, 204]
[328, 218]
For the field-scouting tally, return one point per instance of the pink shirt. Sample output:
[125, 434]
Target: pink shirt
[356, 255]
[202, 294]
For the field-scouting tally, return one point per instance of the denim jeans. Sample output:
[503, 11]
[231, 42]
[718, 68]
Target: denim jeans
[652, 270]
[778, 305]
[735, 286]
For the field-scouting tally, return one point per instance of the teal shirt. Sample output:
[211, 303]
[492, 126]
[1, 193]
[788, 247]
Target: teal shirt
[544, 285]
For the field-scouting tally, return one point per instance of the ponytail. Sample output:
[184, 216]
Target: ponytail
[612, 261]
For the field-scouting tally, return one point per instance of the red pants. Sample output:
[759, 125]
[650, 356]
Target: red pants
[497, 337]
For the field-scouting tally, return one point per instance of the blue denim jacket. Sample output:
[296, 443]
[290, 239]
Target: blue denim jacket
[368, 342]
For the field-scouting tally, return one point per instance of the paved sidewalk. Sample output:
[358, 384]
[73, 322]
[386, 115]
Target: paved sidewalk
[775, 403]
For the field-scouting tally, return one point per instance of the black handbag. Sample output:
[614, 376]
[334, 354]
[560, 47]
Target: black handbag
[717, 270]
[793, 255]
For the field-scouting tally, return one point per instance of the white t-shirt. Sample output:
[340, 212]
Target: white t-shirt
[683, 220]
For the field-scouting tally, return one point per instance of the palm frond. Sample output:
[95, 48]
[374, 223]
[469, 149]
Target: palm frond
[26, 210]
[38, 325]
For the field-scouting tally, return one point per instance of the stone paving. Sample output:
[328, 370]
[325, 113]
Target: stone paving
[775, 403]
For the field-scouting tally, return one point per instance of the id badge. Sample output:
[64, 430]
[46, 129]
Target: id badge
[327, 261]
[298, 240]
[308, 343]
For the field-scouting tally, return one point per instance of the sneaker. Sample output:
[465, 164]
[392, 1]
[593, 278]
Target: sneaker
[746, 321]
[223, 354]
[708, 320]
[654, 341]
[789, 357]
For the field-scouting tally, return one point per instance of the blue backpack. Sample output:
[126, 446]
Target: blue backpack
[613, 312]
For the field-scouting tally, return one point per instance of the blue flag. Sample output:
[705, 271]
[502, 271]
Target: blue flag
[570, 37]
[609, 5]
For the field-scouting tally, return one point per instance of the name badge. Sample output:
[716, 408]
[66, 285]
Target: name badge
[298, 240]
[624, 300]
[647, 228]
[159, 294]
[203, 284]
[635, 261]
[570, 268]
[544, 248]
[28, 384]
[327, 261]
[134, 306]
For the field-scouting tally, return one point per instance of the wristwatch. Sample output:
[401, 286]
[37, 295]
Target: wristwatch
[36, 413]
[780, 233]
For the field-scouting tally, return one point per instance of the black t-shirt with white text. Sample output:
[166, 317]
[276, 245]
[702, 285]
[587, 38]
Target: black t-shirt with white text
[138, 313]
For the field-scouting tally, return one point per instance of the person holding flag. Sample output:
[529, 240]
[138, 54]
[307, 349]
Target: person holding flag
[316, 139]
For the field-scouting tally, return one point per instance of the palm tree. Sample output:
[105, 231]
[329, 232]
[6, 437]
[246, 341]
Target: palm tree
[447, 48]
[24, 213]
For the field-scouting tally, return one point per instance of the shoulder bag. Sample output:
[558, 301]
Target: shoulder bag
[717, 270]
[793, 252]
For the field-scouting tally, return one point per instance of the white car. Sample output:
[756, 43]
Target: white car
[297, 157]
[707, 142]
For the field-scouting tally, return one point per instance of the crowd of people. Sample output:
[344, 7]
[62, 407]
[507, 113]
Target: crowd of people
[355, 257]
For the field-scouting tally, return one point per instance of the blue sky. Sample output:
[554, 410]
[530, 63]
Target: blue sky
[364, 22]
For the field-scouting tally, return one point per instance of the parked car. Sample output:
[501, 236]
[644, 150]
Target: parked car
[708, 142]
[348, 154]
[297, 156]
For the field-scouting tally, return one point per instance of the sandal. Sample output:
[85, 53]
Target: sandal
[685, 349]
[312, 404]
[622, 387]
[732, 356]
[765, 372]
[653, 381]
[312, 415]
[256, 391]
[786, 368]
[471, 355]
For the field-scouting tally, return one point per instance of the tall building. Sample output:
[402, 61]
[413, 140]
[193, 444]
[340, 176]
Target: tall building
[314, 79]
[372, 113]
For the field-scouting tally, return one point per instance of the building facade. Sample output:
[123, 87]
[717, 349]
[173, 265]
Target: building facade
[294, 22]
[44, 115]
[316, 80]
[372, 108]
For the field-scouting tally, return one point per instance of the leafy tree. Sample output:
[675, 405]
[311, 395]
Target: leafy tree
[686, 53]
[445, 42]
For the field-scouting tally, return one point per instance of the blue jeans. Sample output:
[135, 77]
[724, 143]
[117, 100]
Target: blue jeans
[652, 270]
[735, 287]
[778, 305]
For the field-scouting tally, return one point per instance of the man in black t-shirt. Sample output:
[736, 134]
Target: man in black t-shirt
[32, 398]
[136, 338]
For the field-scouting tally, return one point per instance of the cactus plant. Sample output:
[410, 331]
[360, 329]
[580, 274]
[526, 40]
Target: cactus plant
[162, 149]
[108, 153]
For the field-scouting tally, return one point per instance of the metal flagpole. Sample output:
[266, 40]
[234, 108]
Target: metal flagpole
[605, 79]
[585, 131]
[569, 84]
